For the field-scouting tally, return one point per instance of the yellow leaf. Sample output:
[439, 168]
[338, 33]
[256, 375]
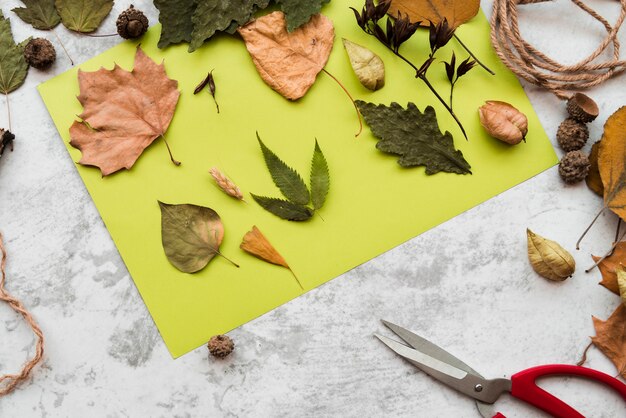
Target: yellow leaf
[593, 180]
[548, 258]
[456, 12]
[611, 162]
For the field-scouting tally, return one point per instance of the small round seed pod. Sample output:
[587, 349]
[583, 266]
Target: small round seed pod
[574, 167]
[582, 108]
[220, 346]
[40, 53]
[572, 135]
[131, 23]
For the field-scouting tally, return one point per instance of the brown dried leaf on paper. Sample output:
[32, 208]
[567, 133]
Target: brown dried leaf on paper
[255, 243]
[611, 338]
[456, 12]
[612, 162]
[609, 265]
[124, 112]
[593, 180]
[289, 62]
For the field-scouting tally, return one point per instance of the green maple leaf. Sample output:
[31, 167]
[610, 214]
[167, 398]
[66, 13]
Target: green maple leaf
[83, 15]
[414, 136]
[299, 12]
[320, 178]
[175, 18]
[13, 66]
[41, 14]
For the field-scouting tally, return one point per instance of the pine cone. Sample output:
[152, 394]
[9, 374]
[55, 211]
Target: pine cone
[40, 53]
[574, 167]
[582, 108]
[131, 23]
[220, 346]
[572, 135]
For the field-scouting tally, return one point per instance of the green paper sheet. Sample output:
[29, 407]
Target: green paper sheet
[373, 204]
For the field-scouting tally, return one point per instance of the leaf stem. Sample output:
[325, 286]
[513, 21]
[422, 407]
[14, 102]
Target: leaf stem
[473, 56]
[63, 46]
[100, 36]
[176, 162]
[608, 254]
[6, 97]
[589, 227]
[583, 359]
[226, 258]
[358, 114]
[296, 277]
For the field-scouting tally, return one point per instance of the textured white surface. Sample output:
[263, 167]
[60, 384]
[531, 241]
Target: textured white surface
[466, 285]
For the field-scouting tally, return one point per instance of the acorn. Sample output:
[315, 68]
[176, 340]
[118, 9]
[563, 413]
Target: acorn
[220, 346]
[572, 135]
[582, 108]
[131, 23]
[40, 53]
[574, 167]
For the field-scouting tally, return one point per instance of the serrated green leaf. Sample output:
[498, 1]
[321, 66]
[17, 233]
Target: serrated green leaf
[83, 16]
[175, 19]
[13, 66]
[320, 178]
[212, 16]
[414, 136]
[283, 208]
[41, 14]
[299, 12]
[286, 178]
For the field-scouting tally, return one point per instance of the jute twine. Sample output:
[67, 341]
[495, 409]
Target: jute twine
[9, 382]
[537, 68]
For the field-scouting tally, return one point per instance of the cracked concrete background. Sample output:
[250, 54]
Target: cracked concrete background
[466, 285]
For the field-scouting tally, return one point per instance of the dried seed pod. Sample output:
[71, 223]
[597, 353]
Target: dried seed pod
[131, 23]
[40, 53]
[574, 167]
[503, 121]
[582, 108]
[220, 346]
[572, 135]
[548, 258]
[226, 184]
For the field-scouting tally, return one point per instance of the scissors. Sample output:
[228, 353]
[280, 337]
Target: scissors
[451, 371]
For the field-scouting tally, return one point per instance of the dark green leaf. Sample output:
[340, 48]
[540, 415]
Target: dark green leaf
[13, 66]
[212, 16]
[298, 12]
[83, 15]
[284, 209]
[191, 235]
[175, 18]
[41, 14]
[286, 178]
[414, 136]
[320, 178]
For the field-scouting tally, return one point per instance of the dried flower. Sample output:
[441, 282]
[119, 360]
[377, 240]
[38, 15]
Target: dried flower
[440, 34]
[548, 258]
[226, 184]
[503, 121]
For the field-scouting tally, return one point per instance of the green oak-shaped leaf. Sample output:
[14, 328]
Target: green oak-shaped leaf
[286, 178]
[320, 178]
[13, 66]
[41, 14]
[283, 208]
[298, 12]
[191, 235]
[414, 136]
[83, 15]
[175, 18]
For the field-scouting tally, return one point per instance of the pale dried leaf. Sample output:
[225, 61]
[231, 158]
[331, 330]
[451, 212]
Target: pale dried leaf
[367, 66]
[548, 258]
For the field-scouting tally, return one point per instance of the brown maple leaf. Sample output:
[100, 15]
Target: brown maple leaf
[611, 338]
[289, 61]
[124, 112]
[455, 12]
[608, 266]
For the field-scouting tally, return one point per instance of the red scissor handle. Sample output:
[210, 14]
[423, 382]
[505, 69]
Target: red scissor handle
[524, 387]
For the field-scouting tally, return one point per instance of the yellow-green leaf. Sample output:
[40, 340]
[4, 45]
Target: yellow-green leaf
[41, 14]
[13, 66]
[83, 15]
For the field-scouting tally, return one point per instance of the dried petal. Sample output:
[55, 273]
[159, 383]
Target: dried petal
[367, 66]
[503, 121]
[226, 184]
[548, 258]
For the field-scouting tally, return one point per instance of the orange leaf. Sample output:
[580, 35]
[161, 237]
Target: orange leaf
[593, 180]
[124, 112]
[255, 243]
[289, 61]
[456, 12]
[612, 162]
[608, 266]
[611, 338]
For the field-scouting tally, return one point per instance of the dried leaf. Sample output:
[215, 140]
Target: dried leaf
[191, 235]
[610, 264]
[226, 184]
[41, 14]
[124, 112]
[83, 15]
[548, 258]
[283, 208]
[414, 136]
[13, 66]
[289, 62]
[320, 178]
[367, 66]
[611, 338]
[175, 19]
[593, 180]
[255, 243]
[612, 162]
[621, 283]
[285, 178]
[456, 12]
